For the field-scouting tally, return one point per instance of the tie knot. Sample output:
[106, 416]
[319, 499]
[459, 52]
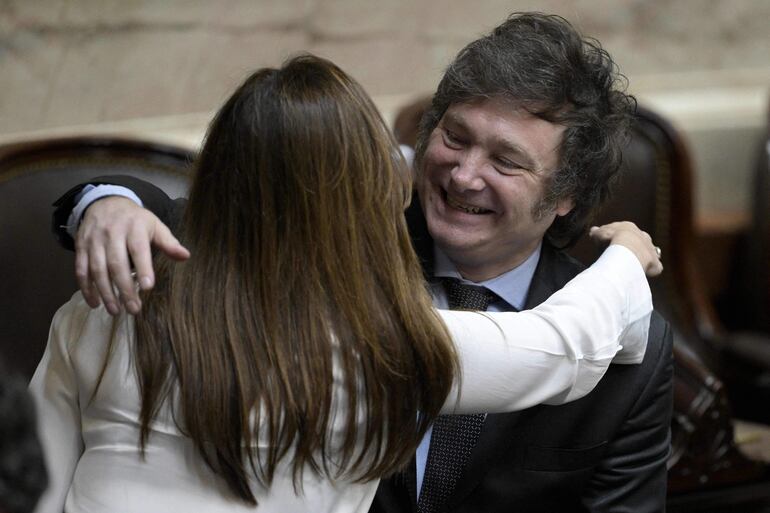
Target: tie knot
[467, 297]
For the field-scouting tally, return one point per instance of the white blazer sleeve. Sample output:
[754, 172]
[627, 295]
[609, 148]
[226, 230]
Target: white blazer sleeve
[54, 389]
[558, 351]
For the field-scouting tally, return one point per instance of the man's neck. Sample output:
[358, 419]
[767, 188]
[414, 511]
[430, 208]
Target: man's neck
[485, 273]
[512, 285]
[478, 271]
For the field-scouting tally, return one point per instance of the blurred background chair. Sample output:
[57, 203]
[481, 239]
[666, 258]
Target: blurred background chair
[707, 471]
[38, 275]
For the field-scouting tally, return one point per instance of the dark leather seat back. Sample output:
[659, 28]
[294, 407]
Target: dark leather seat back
[38, 275]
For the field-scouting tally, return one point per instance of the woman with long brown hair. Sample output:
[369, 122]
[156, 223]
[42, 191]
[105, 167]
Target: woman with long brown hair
[295, 358]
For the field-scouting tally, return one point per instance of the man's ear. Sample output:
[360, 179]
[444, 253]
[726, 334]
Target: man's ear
[564, 206]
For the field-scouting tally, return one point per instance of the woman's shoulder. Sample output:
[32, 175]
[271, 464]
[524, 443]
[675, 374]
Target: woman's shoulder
[78, 328]
[73, 315]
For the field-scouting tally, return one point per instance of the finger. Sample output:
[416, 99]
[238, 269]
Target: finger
[141, 254]
[119, 269]
[166, 242]
[83, 279]
[654, 269]
[99, 275]
[602, 233]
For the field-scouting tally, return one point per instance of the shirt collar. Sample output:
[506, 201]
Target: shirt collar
[512, 286]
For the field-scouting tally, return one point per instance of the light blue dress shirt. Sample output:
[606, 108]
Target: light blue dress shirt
[512, 287]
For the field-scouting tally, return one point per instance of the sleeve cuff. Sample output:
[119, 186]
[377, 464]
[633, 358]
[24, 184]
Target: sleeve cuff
[639, 305]
[91, 193]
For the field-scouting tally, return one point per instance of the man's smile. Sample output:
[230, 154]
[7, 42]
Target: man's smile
[464, 207]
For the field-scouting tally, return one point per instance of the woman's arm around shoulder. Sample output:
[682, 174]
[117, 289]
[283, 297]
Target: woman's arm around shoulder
[558, 351]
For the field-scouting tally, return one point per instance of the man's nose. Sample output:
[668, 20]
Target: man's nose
[466, 175]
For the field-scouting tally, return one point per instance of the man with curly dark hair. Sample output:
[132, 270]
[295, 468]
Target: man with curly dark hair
[517, 149]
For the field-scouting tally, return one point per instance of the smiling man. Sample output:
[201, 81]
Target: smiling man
[515, 152]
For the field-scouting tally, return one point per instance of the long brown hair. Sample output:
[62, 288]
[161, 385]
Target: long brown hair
[301, 273]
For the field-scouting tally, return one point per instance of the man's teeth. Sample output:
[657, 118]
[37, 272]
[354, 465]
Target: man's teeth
[465, 208]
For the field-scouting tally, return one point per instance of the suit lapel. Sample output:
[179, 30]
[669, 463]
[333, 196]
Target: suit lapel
[547, 278]
[497, 435]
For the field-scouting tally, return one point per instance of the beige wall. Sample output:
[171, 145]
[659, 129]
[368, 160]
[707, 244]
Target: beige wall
[74, 62]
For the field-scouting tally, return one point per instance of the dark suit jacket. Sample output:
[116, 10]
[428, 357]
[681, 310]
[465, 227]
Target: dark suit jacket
[604, 452]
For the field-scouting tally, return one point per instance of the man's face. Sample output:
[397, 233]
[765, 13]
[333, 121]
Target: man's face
[484, 175]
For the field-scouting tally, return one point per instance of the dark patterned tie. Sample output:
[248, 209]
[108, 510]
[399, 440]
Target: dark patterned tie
[454, 436]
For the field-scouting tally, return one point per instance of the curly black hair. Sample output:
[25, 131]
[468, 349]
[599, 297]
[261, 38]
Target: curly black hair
[542, 64]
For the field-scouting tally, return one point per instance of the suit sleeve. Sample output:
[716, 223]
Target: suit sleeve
[154, 199]
[632, 474]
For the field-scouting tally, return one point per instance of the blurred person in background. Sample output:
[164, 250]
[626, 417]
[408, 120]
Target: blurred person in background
[22, 470]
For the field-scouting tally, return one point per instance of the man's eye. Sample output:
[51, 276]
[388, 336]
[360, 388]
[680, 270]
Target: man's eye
[507, 164]
[452, 139]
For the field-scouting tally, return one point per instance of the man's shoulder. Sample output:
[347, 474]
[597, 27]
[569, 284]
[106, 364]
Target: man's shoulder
[556, 267]
[567, 262]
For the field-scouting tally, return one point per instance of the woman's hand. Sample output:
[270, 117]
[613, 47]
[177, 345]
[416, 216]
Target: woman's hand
[638, 241]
